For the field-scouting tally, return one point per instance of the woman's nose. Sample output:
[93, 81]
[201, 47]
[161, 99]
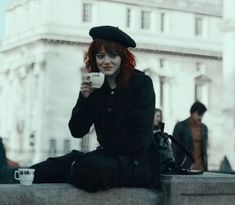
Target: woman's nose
[107, 59]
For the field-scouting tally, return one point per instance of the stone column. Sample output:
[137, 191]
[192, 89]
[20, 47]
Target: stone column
[40, 112]
[167, 103]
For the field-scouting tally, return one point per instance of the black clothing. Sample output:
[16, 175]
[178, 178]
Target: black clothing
[160, 127]
[55, 169]
[3, 158]
[6, 173]
[112, 33]
[183, 133]
[94, 171]
[123, 120]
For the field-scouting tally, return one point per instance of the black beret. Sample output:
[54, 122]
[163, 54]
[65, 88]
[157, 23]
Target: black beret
[112, 33]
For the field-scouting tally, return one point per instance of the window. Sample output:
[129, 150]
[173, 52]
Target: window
[162, 22]
[86, 12]
[128, 18]
[162, 63]
[201, 93]
[198, 26]
[52, 148]
[145, 20]
[200, 67]
[202, 89]
[32, 140]
[66, 146]
[161, 94]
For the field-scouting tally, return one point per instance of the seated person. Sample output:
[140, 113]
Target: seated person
[122, 111]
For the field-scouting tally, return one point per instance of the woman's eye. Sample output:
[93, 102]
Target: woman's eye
[99, 56]
[112, 55]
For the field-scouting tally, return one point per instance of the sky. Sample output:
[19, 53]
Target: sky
[2, 3]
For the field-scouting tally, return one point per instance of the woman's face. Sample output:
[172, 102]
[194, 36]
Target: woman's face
[157, 118]
[108, 63]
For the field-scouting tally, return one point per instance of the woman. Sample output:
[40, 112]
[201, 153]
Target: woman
[122, 111]
[158, 124]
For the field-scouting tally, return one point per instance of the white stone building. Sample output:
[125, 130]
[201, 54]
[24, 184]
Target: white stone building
[228, 137]
[179, 44]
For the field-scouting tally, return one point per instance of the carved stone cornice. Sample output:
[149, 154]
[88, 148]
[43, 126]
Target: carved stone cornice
[166, 50]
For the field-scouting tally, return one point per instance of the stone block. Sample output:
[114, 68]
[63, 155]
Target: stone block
[206, 189]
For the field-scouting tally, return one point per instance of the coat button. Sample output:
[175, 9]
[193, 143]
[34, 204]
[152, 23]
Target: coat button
[109, 109]
[136, 162]
[112, 92]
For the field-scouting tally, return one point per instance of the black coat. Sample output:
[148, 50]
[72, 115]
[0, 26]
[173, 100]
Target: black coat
[3, 158]
[183, 133]
[123, 117]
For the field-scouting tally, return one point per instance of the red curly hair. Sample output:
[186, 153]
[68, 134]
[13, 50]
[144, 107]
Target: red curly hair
[128, 62]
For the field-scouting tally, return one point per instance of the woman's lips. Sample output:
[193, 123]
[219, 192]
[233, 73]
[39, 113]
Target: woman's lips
[107, 68]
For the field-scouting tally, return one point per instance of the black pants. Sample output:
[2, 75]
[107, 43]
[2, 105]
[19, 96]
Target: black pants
[93, 171]
[7, 175]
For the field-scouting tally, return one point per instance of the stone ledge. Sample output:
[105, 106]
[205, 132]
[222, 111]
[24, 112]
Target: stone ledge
[65, 194]
[206, 189]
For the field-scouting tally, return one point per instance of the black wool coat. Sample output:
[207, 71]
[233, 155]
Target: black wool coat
[123, 117]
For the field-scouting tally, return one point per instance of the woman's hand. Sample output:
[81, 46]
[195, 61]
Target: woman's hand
[86, 89]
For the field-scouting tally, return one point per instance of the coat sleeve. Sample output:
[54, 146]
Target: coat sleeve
[139, 129]
[176, 150]
[81, 118]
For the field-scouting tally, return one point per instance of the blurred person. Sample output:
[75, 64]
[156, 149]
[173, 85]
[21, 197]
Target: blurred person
[158, 124]
[3, 158]
[7, 167]
[193, 135]
[122, 111]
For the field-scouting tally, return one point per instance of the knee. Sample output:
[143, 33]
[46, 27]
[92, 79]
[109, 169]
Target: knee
[94, 173]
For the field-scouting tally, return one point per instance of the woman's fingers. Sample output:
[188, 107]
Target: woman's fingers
[86, 89]
[86, 85]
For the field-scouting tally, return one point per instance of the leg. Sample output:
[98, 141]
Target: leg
[133, 173]
[94, 172]
[7, 175]
[55, 170]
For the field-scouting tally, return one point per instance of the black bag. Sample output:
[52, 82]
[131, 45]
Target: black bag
[168, 164]
[166, 153]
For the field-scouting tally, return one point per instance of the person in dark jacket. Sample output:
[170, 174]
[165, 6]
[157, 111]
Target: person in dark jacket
[193, 134]
[3, 158]
[6, 171]
[122, 111]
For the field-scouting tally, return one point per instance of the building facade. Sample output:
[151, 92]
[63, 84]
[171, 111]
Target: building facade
[228, 29]
[179, 44]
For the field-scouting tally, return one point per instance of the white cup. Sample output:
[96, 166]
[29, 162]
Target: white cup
[96, 79]
[25, 176]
